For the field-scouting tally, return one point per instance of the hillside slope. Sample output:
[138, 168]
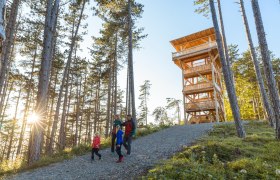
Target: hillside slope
[146, 152]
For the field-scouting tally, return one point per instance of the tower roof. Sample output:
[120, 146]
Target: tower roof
[194, 39]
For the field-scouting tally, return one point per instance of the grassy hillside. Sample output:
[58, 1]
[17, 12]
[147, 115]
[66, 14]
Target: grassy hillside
[222, 155]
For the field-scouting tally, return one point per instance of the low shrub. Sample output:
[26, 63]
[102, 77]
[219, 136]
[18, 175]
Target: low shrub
[222, 155]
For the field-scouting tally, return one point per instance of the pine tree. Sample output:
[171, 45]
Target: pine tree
[8, 43]
[227, 75]
[144, 97]
[49, 32]
[265, 99]
[266, 59]
[174, 104]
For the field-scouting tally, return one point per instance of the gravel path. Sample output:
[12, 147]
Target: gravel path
[146, 152]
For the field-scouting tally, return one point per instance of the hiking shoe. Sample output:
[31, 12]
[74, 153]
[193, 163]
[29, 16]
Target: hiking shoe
[121, 159]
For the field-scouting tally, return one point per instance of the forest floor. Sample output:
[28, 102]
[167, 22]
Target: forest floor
[146, 152]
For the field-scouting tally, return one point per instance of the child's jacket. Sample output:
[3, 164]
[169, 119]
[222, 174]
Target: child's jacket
[119, 137]
[96, 142]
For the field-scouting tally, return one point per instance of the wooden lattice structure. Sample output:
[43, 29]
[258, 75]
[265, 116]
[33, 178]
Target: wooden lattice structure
[198, 58]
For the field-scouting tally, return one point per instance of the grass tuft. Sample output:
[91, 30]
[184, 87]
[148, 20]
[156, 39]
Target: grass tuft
[222, 155]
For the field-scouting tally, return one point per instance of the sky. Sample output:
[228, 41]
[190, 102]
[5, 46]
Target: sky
[165, 20]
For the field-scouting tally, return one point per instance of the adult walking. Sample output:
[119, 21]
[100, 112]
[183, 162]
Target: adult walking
[117, 122]
[129, 132]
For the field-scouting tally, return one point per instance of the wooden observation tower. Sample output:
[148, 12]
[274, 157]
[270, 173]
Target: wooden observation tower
[198, 58]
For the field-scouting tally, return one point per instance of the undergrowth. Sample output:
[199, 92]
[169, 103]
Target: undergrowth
[222, 155]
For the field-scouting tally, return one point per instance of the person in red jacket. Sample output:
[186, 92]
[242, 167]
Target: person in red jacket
[129, 132]
[95, 146]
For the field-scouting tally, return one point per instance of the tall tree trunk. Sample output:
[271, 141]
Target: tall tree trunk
[108, 118]
[270, 79]
[65, 116]
[97, 104]
[90, 115]
[227, 76]
[6, 103]
[62, 133]
[130, 59]
[66, 69]
[265, 99]
[6, 79]
[3, 97]
[146, 108]
[4, 149]
[128, 94]
[68, 107]
[77, 113]
[82, 106]
[12, 134]
[44, 75]
[8, 43]
[178, 110]
[2, 103]
[116, 75]
[48, 148]
[224, 40]
[27, 103]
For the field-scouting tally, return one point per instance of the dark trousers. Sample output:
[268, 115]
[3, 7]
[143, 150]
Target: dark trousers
[119, 151]
[127, 143]
[113, 142]
[95, 150]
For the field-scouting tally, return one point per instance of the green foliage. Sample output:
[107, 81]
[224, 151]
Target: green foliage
[160, 115]
[144, 97]
[150, 129]
[174, 104]
[247, 89]
[222, 155]
[203, 7]
[246, 85]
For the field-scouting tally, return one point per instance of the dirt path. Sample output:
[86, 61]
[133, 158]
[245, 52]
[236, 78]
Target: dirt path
[146, 152]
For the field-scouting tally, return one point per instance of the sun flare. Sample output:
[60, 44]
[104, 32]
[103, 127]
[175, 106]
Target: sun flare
[32, 118]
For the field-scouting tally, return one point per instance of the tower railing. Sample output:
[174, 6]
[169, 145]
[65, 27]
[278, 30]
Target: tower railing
[208, 45]
[199, 86]
[203, 105]
[191, 70]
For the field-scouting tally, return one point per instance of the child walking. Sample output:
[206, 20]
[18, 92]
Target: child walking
[119, 143]
[95, 146]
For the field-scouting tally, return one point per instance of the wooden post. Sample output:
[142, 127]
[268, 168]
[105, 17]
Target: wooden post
[183, 85]
[215, 93]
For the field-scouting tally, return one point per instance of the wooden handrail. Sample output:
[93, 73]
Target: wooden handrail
[203, 85]
[201, 105]
[195, 49]
[198, 68]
